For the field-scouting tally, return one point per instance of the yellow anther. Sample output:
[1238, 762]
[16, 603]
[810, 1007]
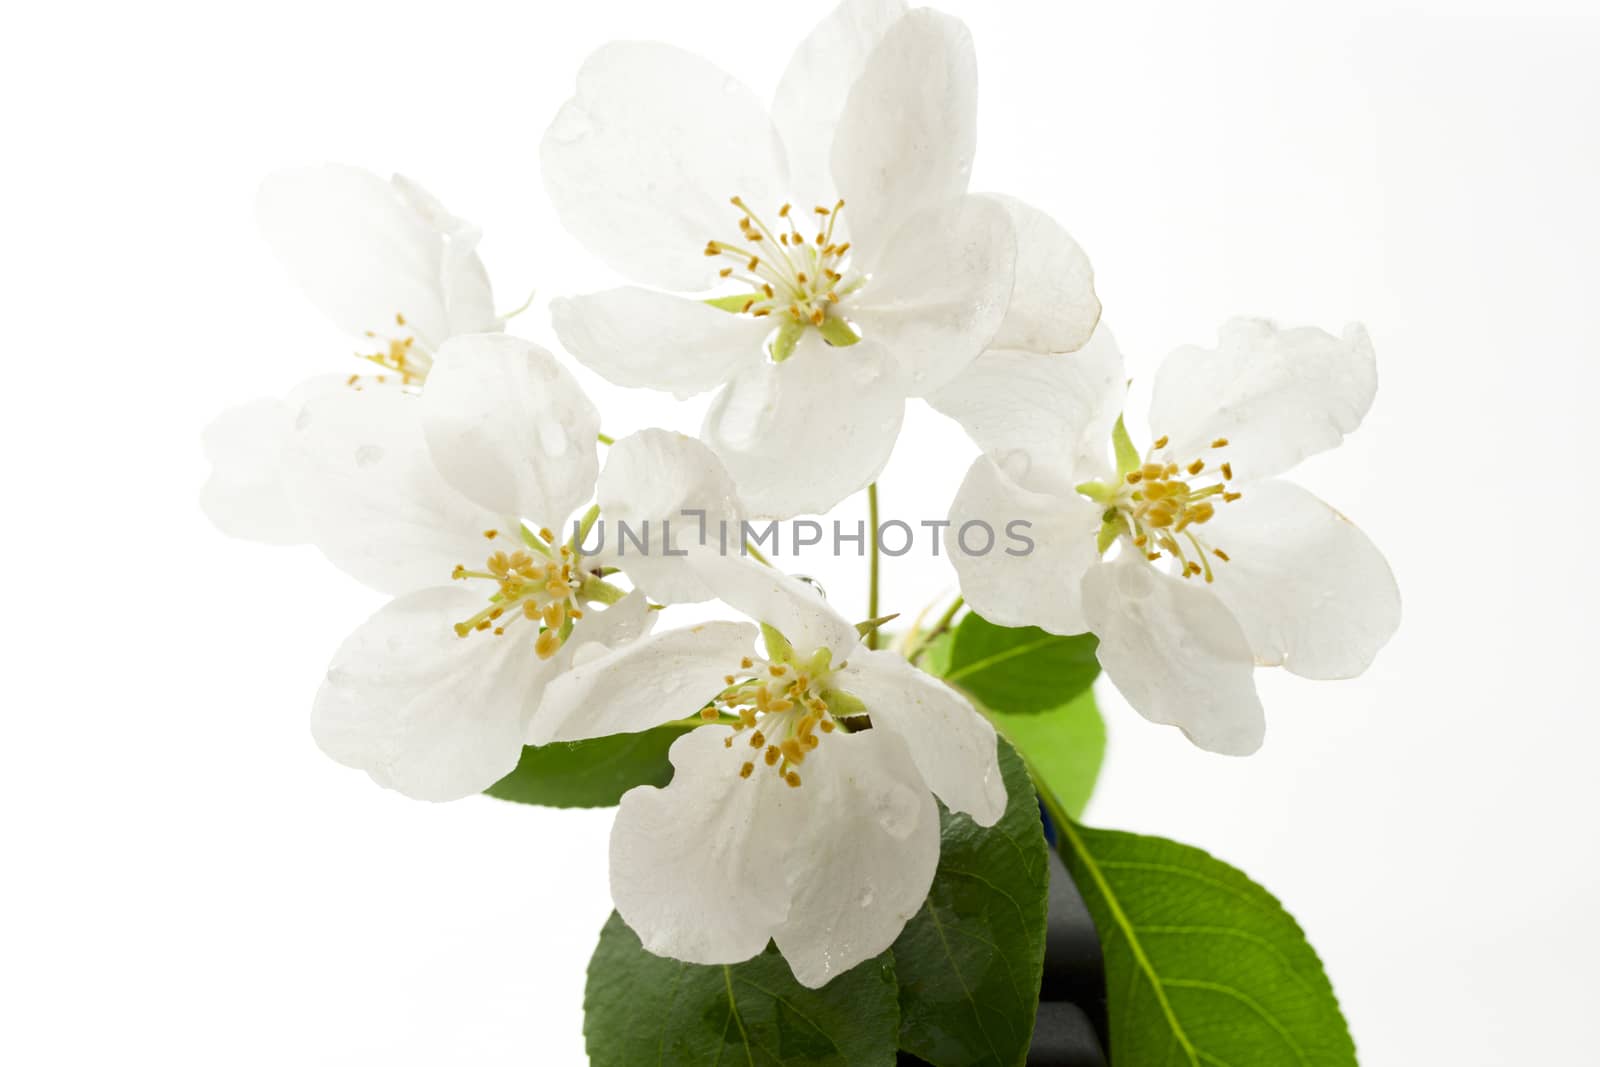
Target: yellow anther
[491, 534]
[1196, 467]
[758, 740]
[1223, 556]
[1153, 470]
[1221, 442]
[1161, 442]
[826, 726]
[1231, 497]
[792, 751]
[1227, 471]
[772, 755]
[710, 714]
[747, 770]
[783, 212]
[547, 644]
[793, 779]
[746, 663]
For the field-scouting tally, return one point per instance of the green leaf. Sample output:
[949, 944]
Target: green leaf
[1064, 745]
[971, 960]
[644, 1009]
[1204, 967]
[1128, 457]
[1019, 670]
[589, 774]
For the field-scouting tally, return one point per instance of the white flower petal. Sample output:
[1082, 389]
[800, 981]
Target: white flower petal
[908, 130]
[468, 298]
[641, 162]
[424, 712]
[812, 91]
[1277, 396]
[638, 338]
[940, 289]
[360, 474]
[672, 492]
[1311, 591]
[1040, 586]
[696, 867]
[1046, 420]
[358, 248]
[801, 435]
[245, 494]
[863, 859]
[1053, 303]
[1176, 653]
[511, 428]
[952, 745]
[648, 682]
[792, 607]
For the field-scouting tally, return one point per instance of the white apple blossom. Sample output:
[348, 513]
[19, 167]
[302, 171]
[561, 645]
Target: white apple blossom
[450, 499]
[1191, 561]
[387, 264]
[787, 818]
[861, 270]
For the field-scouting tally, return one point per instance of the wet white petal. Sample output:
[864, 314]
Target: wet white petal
[801, 435]
[245, 494]
[1176, 653]
[673, 493]
[424, 712]
[657, 679]
[952, 746]
[908, 130]
[1312, 592]
[861, 859]
[940, 288]
[468, 298]
[812, 92]
[1043, 545]
[361, 476]
[1053, 303]
[510, 428]
[1277, 396]
[641, 162]
[635, 337]
[360, 249]
[1046, 420]
[792, 607]
[696, 867]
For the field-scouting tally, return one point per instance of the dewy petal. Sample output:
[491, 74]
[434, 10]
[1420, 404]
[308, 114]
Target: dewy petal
[940, 289]
[792, 607]
[952, 745]
[424, 712]
[863, 859]
[641, 162]
[1053, 303]
[1046, 420]
[672, 492]
[1312, 592]
[812, 91]
[908, 130]
[648, 682]
[1277, 396]
[801, 435]
[638, 338]
[1042, 545]
[359, 249]
[360, 474]
[696, 867]
[511, 428]
[245, 494]
[1176, 653]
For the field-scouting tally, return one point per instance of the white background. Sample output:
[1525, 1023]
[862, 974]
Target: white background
[187, 880]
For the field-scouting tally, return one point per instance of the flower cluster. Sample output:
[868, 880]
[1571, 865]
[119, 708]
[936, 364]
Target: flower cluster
[818, 263]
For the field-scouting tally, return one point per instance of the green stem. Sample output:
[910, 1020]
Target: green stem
[605, 439]
[924, 640]
[872, 571]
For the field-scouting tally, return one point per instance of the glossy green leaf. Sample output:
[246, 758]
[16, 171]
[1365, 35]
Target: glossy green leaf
[589, 774]
[1019, 670]
[1203, 966]
[1065, 745]
[644, 1009]
[971, 960]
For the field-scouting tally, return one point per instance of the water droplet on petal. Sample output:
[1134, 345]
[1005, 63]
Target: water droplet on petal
[814, 584]
[864, 898]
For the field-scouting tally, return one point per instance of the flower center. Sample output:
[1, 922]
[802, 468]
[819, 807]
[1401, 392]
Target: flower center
[540, 585]
[799, 277]
[401, 355]
[1162, 507]
[782, 706]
